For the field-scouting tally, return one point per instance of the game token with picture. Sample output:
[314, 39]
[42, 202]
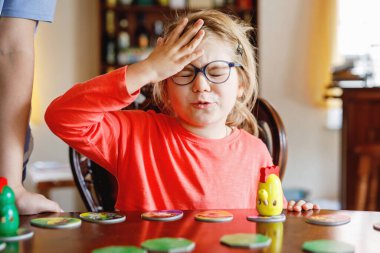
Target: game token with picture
[56, 222]
[214, 216]
[246, 240]
[102, 217]
[21, 234]
[259, 218]
[168, 244]
[162, 215]
[328, 219]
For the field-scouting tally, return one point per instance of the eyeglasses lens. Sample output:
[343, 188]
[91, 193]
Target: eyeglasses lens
[215, 72]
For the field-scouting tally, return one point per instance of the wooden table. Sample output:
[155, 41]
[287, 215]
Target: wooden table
[286, 237]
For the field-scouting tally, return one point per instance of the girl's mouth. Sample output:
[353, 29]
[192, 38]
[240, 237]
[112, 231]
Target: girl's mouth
[202, 104]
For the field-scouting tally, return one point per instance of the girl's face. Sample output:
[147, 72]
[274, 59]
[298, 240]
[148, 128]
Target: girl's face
[201, 103]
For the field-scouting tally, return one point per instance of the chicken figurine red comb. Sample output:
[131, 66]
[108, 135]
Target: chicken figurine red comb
[269, 195]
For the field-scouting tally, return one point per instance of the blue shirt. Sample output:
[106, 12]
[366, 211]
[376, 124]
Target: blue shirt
[39, 10]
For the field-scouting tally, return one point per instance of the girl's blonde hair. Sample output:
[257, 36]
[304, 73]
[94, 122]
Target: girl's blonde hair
[237, 33]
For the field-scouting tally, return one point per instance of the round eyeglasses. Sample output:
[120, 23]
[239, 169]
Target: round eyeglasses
[216, 72]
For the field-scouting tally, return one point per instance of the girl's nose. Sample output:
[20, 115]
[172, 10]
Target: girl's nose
[201, 84]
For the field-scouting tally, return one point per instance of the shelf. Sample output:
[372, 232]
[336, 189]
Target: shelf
[114, 18]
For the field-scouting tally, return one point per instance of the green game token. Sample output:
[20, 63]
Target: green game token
[328, 246]
[252, 241]
[56, 222]
[119, 249]
[170, 245]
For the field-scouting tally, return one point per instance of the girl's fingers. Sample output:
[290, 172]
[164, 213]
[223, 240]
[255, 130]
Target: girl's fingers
[290, 205]
[301, 205]
[307, 206]
[298, 206]
[188, 36]
[190, 47]
[191, 57]
[173, 37]
[159, 41]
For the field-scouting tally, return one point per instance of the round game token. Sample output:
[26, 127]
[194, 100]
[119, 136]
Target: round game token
[376, 226]
[162, 215]
[21, 234]
[259, 218]
[119, 249]
[328, 219]
[2, 245]
[102, 217]
[328, 246]
[56, 222]
[252, 241]
[169, 245]
[214, 216]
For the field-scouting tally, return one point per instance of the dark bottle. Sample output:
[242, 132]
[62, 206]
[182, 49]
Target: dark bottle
[110, 51]
[141, 34]
[109, 47]
[123, 42]
[145, 2]
[125, 2]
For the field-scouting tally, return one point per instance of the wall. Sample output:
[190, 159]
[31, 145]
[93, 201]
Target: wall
[67, 52]
[294, 50]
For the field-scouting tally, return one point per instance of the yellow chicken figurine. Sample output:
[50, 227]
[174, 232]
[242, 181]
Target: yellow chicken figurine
[269, 195]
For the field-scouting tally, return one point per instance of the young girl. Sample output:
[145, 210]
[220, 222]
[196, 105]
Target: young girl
[196, 154]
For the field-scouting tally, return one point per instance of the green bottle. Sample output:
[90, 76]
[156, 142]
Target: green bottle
[9, 219]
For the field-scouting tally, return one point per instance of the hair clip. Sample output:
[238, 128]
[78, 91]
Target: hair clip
[239, 49]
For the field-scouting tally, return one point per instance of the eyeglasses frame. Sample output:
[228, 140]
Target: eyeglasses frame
[203, 71]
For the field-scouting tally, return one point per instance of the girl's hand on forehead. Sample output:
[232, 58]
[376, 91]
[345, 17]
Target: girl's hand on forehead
[175, 52]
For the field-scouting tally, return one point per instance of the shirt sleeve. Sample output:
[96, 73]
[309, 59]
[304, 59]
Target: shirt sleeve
[87, 117]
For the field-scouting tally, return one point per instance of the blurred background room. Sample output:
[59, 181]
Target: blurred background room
[308, 50]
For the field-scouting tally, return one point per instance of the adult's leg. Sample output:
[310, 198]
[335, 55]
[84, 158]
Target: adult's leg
[16, 81]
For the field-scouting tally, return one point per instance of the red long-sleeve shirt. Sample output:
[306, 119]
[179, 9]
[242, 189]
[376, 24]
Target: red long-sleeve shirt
[157, 163]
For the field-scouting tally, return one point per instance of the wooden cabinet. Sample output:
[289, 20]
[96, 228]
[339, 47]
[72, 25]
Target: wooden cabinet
[121, 23]
[361, 126]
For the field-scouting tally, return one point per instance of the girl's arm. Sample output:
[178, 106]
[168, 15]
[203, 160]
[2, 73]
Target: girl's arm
[87, 117]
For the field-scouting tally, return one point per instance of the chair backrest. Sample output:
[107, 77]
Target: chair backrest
[272, 132]
[98, 187]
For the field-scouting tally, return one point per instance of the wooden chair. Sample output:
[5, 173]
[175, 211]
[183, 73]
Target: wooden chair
[98, 187]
